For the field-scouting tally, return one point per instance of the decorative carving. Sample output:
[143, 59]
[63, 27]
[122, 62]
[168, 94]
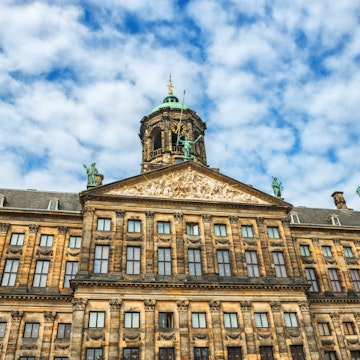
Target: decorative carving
[327, 342]
[134, 238]
[335, 316]
[260, 221]
[264, 335]
[214, 305]
[249, 243]
[222, 242]
[276, 244]
[315, 241]
[337, 241]
[275, 305]
[95, 334]
[159, 239]
[79, 304]
[200, 337]
[357, 316]
[303, 305]
[293, 333]
[115, 304]
[245, 304]
[193, 241]
[206, 217]
[188, 184]
[88, 211]
[307, 260]
[61, 346]
[178, 216]
[28, 347]
[352, 341]
[234, 219]
[44, 252]
[149, 304]
[73, 253]
[149, 214]
[103, 237]
[14, 250]
[49, 315]
[351, 261]
[357, 242]
[182, 304]
[330, 260]
[34, 228]
[63, 229]
[166, 337]
[17, 315]
[4, 227]
[234, 336]
[132, 337]
[120, 213]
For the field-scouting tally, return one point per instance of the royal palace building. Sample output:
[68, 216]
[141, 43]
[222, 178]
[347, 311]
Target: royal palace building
[179, 262]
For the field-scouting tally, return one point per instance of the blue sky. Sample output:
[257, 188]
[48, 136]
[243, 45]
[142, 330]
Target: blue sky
[277, 82]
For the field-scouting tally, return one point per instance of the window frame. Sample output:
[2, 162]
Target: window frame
[198, 320]
[96, 319]
[294, 219]
[252, 263]
[9, 274]
[92, 353]
[324, 328]
[220, 230]
[230, 320]
[134, 226]
[165, 320]
[164, 261]
[224, 264]
[266, 352]
[41, 274]
[192, 229]
[69, 275]
[355, 277]
[103, 224]
[334, 280]
[305, 250]
[273, 232]
[234, 352]
[132, 320]
[290, 319]
[17, 239]
[133, 260]
[46, 240]
[194, 262]
[166, 353]
[31, 330]
[63, 331]
[349, 328]
[348, 253]
[3, 326]
[164, 227]
[297, 352]
[327, 251]
[75, 242]
[261, 320]
[354, 354]
[245, 230]
[279, 264]
[201, 353]
[101, 259]
[133, 353]
[312, 279]
[330, 355]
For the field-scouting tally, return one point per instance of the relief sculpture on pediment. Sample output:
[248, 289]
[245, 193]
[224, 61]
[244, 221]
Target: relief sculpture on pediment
[188, 184]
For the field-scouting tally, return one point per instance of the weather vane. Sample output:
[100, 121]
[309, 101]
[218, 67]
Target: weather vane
[170, 86]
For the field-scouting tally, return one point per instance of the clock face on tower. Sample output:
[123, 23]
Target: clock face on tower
[178, 128]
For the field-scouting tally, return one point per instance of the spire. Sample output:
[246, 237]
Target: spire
[170, 86]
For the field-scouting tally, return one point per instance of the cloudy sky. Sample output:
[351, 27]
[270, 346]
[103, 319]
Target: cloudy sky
[277, 82]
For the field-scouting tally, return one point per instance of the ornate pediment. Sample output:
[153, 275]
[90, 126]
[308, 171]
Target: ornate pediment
[188, 183]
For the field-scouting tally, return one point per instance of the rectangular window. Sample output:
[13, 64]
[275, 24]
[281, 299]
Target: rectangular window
[61, 358]
[335, 220]
[348, 328]
[46, 240]
[273, 232]
[220, 229]
[75, 242]
[261, 320]
[10, 272]
[330, 355]
[163, 227]
[164, 261]
[334, 280]
[198, 320]
[41, 273]
[266, 353]
[355, 276]
[290, 319]
[31, 330]
[133, 260]
[134, 226]
[201, 353]
[192, 229]
[96, 319]
[252, 263]
[71, 270]
[247, 231]
[223, 262]
[234, 353]
[63, 331]
[132, 320]
[297, 352]
[27, 358]
[2, 329]
[166, 320]
[312, 280]
[53, 205]
[304, 250]
[324, 328]
[355, 355]
[279, 262]
[94, 354]
[348, 252]
[17, 239]
[295, 219]
[131, 354]
[230, 320]
[101, 259]
[103, 224]
[327, 251]
[194, 259]
[166, 354]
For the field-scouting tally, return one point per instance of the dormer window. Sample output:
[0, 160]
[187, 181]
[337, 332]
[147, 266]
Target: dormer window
[2, 200]
[294, 219]
[53, 204]
[335, 220]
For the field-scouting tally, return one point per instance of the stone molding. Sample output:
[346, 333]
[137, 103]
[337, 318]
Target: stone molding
[115, 304]
[63, 229]
[149, 304]
[79, 304]
[178, 216]
[183, 304]
[120, 213]
[17, 315]
[4, 227]
[49, 316]
[245, 304]
[214, 305]
[34, 228]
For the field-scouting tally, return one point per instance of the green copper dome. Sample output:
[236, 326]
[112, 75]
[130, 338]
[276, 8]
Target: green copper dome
[170, 101]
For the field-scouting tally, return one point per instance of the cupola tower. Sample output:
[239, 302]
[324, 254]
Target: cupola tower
[164, 130]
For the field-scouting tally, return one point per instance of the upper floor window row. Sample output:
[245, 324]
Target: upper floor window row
[273, 232]
[17, 239]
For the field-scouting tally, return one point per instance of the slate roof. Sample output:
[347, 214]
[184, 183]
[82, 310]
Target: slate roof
[39, 200]
[323, 216]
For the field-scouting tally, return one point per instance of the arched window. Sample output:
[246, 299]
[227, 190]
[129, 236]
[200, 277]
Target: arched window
[156, 138]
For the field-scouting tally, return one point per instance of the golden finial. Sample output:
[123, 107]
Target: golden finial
[170, 86]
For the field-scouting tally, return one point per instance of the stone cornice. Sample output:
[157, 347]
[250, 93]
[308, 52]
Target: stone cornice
[322, 227]
[40, 297]
[34, 213]
[338, 300]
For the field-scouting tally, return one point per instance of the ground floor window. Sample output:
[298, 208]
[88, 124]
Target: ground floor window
[166, 354]
[234, 353]
[201, 353]
[131, 354]
[94, 354]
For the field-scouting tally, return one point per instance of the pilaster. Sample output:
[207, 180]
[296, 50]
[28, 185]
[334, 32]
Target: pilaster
[248, 329]
[86, 242]
[279, 329]
[149, 272]
[264, 247]
[16, 317]
[49, 317]
[216, 328]
[208, 244]
[119, 241]
[77, 327]
[114, 337]
[184, 329]
[237, 246]
[180, 249]
[339, 335]
[149, 305]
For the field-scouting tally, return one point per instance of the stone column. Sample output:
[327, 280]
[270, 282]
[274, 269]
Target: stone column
[14, 335]
[208, 245]
[149, 328]
[238, 247]
[339, 335]
[249, 330]
[267, 260]
[292, 259]
[77, 327]
[216, 328]
[86, 243]
[184, 328]
[119, 242]
[180, 249]
[279, 329]
[115, 305]
[49, 317]
[28, 256]
[309, 330]
[149, 240]
[59, 256]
